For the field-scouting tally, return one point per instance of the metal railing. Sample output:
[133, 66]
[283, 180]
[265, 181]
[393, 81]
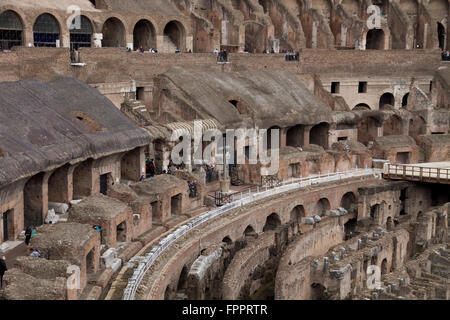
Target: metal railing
[241, 199]
[416, 172]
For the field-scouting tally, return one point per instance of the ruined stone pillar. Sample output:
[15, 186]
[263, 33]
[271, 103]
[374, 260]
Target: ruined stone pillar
[241, 38]
[160, 43]
[130, 41]
[306, 135]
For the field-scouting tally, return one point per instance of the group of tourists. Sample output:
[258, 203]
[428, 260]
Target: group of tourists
[446, 56]
[222, 55]
[292, 56]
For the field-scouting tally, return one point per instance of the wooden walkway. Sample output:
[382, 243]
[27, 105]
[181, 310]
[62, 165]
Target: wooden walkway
[433, 172]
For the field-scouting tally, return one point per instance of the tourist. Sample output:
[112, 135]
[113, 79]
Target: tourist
[36, 253]
[177, 51]
[3, 269]
[216, 52]
[142, 178]
[28, 233]
[152, 168]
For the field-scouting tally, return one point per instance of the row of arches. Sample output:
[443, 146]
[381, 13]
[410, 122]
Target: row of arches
[386, 99]
[47, 33]
[274, 222]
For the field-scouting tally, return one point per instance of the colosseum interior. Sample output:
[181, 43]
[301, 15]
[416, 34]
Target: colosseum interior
[93, 91]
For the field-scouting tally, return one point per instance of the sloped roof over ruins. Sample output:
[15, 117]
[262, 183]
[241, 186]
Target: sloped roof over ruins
[63, 235]
[46, 125]
[271, 98]
[388, 142]
[159, 184]
[97, 206]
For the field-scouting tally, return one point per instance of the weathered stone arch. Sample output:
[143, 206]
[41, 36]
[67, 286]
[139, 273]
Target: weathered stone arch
[174, 37]
[144, 35]
[114, 33]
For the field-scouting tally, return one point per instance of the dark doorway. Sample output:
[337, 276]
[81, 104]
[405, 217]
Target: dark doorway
[441, 35]
[113, 33]
[90, 264]
[319, 135]
[403, 157]
[175, 204]
[387, 98]
[144, 35]
[104, 184]
[8, 225]
[121, 232]
[272, 222]
[375, 39]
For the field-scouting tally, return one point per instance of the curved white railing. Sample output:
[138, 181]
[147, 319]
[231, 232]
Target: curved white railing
[245, 198]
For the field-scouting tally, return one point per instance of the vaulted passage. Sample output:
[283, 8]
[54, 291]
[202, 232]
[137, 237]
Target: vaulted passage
[319, 135]
[392, 126]
[114, 33]
[80, 33]
[255, 41]
[295, 136]
[144, 35]
[375, 39]
[272, 222]
[387, 99]
[368, 130]
[11, 30]
[174, 37]
[46, 31]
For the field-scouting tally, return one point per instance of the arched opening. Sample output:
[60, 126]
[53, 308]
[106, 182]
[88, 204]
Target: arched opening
[272, 222]
[82, 180]
[174, 37]
[368, 130]
[58, 190]
[441, 35]
[322, 206]
[375, 212]
[167, 293]
[80, 33]
[113, 33]
[389, 224]
[350, 228]
[255, 40]
[319, 135]
[268, 142]
[297, 214]
[361, 106]
[318, 292]
[384, 268]
[349, 203]
[182, 280]
[11, 30]
[405, 100]
[375, 39]
[144, 35]
[227, 240]
[295, 136]
[417, 127]
[46, 31]
[33, 196]
[249, 232]
[387, 99]
[392, 126]
[239, 105]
